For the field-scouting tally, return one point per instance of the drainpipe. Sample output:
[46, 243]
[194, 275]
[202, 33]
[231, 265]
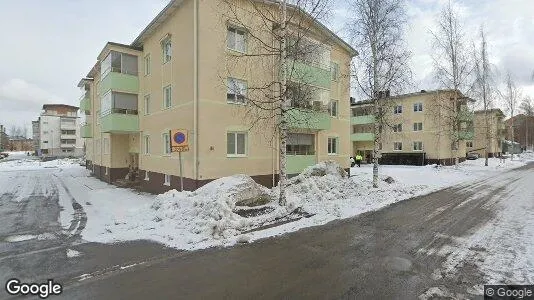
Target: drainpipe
[195, 90]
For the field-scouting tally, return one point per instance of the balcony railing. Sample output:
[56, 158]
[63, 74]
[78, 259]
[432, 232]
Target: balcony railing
[362, 137]
[360, 120]
[86, 130]
[308, 119]
[120, 122]
[120, 82]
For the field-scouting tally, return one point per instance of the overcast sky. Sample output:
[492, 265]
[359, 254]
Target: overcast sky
[47, 48]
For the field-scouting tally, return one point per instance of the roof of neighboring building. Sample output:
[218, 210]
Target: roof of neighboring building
[493, 110]
[174, 4]
[50, 106]
[422, 92]
[18, 138]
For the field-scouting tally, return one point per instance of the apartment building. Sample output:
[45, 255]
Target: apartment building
[523, 130]
[36, 134]
[495, 133]
[189, 69]
[58, 131]
[4, 140]
[417, 128]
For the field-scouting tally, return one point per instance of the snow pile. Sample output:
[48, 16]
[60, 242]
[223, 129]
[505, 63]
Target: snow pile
[209, 211]
[35, 164]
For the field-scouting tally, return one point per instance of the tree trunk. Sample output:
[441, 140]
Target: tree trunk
[377, 116]
[285, 107]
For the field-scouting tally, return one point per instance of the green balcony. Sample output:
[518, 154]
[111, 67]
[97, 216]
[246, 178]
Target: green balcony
[360, 120]
[465, 115]
[297, 163]
[86, 131]
[465, 135]
[119, 82]
[85, 103]
[362, 137]
[299, 118]
[306, 73]
[120, 123]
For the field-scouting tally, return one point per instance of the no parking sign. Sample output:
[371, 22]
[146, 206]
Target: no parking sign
[179, 140]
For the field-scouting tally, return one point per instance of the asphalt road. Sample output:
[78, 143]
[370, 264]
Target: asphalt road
[376, 255]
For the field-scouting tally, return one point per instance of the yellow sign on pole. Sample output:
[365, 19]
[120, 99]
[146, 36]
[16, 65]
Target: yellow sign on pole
[179, 140]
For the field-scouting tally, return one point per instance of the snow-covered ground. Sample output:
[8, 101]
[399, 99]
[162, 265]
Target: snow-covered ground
[206, 217]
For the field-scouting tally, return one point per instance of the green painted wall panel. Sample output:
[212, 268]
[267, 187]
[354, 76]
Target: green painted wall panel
[86, 131]
[369, 119]
[362, 137]
[119, 82]
[302, 72]
[308, 119]
[85, 104]
[120, 123]
[297, 163]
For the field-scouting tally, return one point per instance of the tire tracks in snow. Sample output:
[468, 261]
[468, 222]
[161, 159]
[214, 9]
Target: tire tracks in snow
[79, 221]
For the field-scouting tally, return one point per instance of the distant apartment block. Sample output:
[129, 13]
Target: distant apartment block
[489, 131]
[20, 143]
[4, 140]
[523, 130]
[176, 75]
[58, 131]
[36, 134]
[418, 128]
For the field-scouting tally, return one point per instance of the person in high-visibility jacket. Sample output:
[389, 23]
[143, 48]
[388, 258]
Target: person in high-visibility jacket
[358, 160]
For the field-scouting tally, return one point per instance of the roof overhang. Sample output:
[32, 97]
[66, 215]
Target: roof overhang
[156, 22]
[84, 81]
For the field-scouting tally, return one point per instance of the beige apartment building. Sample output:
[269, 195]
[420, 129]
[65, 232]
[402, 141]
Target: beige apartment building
[417, 128]
[181, 73]
[497, 131]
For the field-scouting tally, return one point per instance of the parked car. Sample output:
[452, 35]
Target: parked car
[472, 156]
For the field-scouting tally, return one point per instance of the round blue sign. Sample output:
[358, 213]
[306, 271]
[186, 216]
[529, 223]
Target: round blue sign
[179, 137]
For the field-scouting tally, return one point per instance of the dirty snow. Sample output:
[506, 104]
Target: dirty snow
[73, 253]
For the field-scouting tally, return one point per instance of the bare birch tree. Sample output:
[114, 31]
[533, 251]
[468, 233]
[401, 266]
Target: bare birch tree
[377, 31]
[485, 86]
[453, 70]
[276, 37]
[528, 109]
[511, 98]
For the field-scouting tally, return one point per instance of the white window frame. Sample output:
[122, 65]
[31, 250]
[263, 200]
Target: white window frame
[236, 133]
[148, 63]
[146, 145]
[167, 180]
[167, 90]
[335, 139]
[418, 107]
[395, 148]
[397, 110]
[166, 143]
[234, 30]
[337, 108]
[146, 104]
[232, 85]
[147, 176]
[416, 126]
[334, 70]
[397, 128]
[417, 143]
[166, 52]
[106, 171]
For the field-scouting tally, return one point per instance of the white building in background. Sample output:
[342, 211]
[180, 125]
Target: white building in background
[59, 131]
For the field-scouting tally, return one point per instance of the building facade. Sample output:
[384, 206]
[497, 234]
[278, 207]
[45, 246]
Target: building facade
[135, 94]
[523, 130]
[20, 143]
[58, 131]
[417, 128]
[36, 134]
[4, 139]
[490, 133]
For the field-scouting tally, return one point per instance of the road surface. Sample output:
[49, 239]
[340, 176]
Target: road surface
[392, 253]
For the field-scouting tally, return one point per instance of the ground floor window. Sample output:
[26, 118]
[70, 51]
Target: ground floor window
[397, 146]
[469, 144]
[300, 144]
[146, 176]
[418, 146]
[332, 145]
[167, 180]
[236, 143]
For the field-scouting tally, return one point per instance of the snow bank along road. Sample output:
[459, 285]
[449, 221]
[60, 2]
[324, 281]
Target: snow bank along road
[445, 244]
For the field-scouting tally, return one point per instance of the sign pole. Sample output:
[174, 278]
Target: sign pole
[181, 174]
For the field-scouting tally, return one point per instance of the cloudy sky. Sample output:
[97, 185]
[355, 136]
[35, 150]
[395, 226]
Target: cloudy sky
[48, 48]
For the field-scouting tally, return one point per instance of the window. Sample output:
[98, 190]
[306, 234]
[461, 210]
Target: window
[119, 63]
[397, 146]
[417, 146]
[147, 65]
[68, 141]
[418, 107]
[167, 97]
[454, 146]
[166, 47]
[332, 145]
[147, 144]
[67, 132]
[417, 126]
[398, 109]
[397, 128]
[45, 142]
[98, 117]
[167, 180]
[379, 146]
[106, 145]
[300, 144]
[334, 69]
[469, 144]
[106, 171]
[147, 104]
[333, 108]
[166, 143]
[236, 144]
[236, 40]
[147, 178]
[236, 91]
